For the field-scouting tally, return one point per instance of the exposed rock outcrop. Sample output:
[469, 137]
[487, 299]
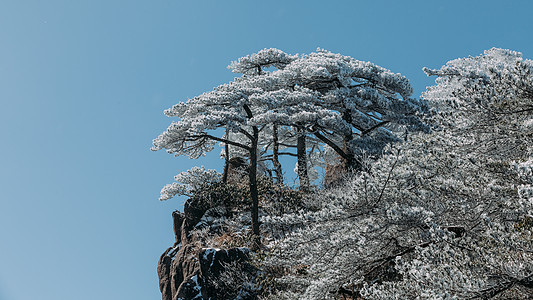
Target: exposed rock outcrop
[187, 270]
[334, 174]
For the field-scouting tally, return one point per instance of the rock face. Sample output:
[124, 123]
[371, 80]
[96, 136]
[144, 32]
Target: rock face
[188, 271]
[334, 174]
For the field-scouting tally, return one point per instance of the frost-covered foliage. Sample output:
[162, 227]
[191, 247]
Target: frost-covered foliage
[238, 282]
[189, 181]
[488, 100]
[446, 215]
[255, 63]
[525, 190]
[422, 214]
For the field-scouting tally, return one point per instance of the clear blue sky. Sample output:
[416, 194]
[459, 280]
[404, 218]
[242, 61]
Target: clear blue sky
[83, 85]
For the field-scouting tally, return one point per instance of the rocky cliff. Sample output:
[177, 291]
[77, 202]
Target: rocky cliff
[188, 270]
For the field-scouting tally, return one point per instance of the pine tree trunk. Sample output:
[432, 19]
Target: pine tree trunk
[252, 173]
[302, 160]
[347, 140]
[226, 160]
[275, 155]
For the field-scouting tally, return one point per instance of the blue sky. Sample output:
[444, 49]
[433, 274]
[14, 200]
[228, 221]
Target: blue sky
[83, 85]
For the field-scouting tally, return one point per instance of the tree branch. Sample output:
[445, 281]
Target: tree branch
[226, 141]
[282, 153]
[246, 133]
[331, 144]
[363, 133]
[287, 145]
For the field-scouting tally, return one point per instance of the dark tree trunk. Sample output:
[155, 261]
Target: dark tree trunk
[302, 160]
[226, 159]
[350, 163]
[347, 140]
[275, 155]
[252, 173]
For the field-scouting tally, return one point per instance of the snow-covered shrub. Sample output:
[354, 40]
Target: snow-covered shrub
[188, 182]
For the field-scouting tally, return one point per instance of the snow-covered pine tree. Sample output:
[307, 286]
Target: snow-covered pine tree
[227, 106]
[348, 105]
[371, 103]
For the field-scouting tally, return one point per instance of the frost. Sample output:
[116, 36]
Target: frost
[187, 182]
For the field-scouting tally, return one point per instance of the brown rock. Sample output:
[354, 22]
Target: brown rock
[164, 272]
[183, 268]
[177, 221]
[334, 174]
